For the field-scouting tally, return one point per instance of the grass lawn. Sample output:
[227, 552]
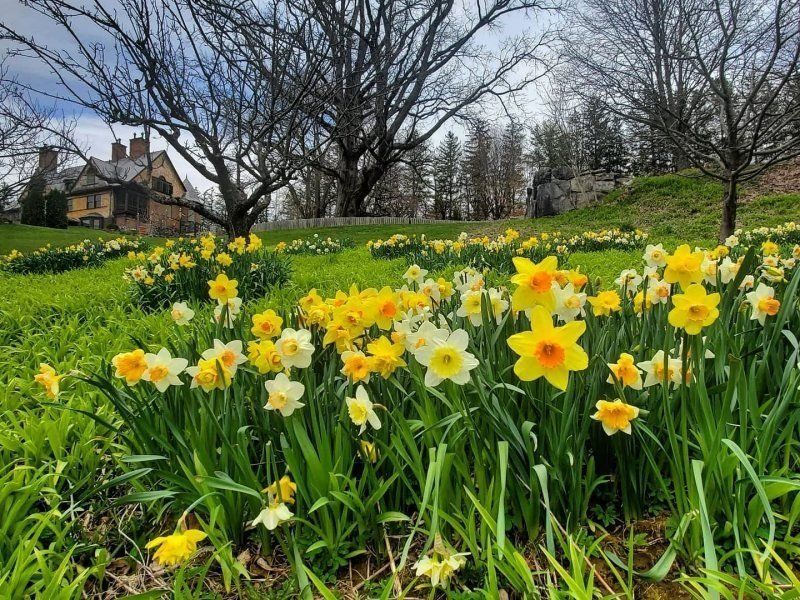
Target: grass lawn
[27, 238]
[74, 452]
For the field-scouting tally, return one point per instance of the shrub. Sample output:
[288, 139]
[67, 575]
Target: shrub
[57, 260]
[33, 208]
[56, 209]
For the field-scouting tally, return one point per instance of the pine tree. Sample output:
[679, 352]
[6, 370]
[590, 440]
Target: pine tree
[447, 193]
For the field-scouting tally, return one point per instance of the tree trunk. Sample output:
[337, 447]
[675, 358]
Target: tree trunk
[348, 202]
[729, 202]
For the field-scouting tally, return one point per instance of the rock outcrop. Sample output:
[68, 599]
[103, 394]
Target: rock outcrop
[556, 191]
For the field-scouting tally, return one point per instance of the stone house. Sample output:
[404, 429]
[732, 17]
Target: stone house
[123, 192]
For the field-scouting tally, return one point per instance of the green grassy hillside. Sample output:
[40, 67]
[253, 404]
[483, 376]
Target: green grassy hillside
[669, 207]
[26, 238]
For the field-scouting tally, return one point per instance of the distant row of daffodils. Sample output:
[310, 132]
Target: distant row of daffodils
[180, 268]
[496, 253]
[48, 259]
[314, 245]
[459, 338]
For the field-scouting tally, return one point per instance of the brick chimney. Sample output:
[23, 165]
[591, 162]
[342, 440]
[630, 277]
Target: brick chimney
[118, 150]
[139, 146]
[48, 159]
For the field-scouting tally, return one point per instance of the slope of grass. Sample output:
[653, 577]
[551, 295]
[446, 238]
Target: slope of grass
[27, 238]
[670, 207]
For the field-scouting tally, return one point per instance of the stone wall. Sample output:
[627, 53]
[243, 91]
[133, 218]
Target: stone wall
[556, 191]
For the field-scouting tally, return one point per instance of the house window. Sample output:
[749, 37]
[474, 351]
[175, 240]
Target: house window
[93, 222]
[94, 201]
[162, 185]
[90, 178]
[70, 206]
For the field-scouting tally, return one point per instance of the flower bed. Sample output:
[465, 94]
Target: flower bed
[497, 253]
[315, 245]
[182, 269]
[456, 423]
[57, 260]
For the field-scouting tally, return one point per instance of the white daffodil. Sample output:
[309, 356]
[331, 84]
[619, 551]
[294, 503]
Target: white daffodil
[655, 255]
[181, 313]
[728, 269]
[656, 372]
[295, 348]
[362, 410]
[163, 370]
[628, 281]
[420, 338]
[273, 515]
[763, 302]
[230, 354]
[471, 307]
[569, 303]
[284, 395]
[447, 359]
[415, 274]
[232, 308]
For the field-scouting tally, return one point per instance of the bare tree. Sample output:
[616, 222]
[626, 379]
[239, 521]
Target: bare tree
[713, 77]
[193, 74]
[397, 71]
[25, 127]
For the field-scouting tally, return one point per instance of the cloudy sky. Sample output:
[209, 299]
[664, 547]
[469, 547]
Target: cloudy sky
[96, 135]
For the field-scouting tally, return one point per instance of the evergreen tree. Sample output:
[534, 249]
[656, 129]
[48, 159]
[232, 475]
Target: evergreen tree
[33, 210]
[475, 167]
[447, 193]
[56, 209]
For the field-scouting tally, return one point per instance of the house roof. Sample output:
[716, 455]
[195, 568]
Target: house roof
[110, 172]
[56, 180]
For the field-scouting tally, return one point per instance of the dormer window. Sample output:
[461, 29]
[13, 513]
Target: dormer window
[90, 178]
[162, 186]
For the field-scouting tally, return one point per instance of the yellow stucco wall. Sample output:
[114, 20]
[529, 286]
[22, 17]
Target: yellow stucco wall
[79, 206]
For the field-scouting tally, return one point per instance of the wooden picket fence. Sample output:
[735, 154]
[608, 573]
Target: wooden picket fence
[343, 221]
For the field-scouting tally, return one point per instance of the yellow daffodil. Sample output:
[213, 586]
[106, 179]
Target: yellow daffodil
[625, 371]
[605, 303]
[549, 351]
[385, 356]
[356, 366]
[615, 416]
[284, 489]
[267, 325]
[684, 267]
[369, 450]
[387, 309]
[534, 283]
[210, 374]
[49, 380]
[176, 548]
[769, 248]
[254, 243]
[224, 259]
[222, 289]
[264, 356]
[694, 309]
[130, 366]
